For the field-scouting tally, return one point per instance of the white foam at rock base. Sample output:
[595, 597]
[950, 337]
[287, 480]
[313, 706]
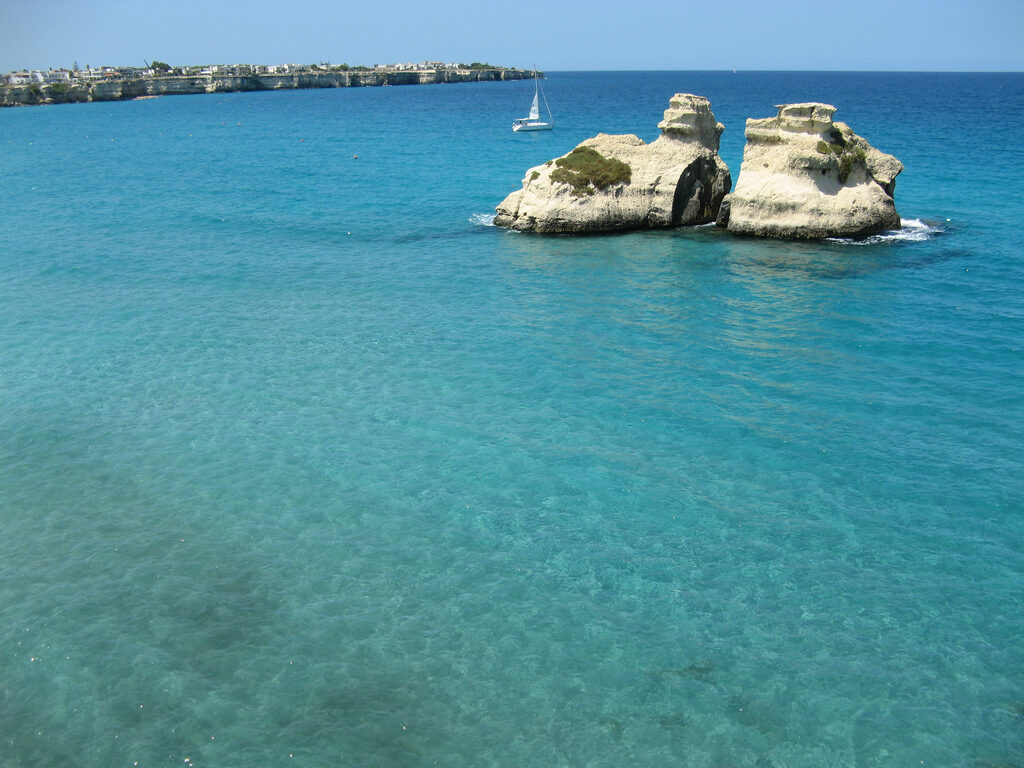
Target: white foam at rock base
[912, 230]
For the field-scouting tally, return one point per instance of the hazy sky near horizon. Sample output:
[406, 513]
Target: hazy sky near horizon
[945, 35]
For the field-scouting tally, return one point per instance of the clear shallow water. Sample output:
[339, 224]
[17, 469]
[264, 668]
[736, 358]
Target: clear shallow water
[303, 463]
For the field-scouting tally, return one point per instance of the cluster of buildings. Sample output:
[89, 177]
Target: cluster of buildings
[28, 77]
[90, 74]
[407, 67]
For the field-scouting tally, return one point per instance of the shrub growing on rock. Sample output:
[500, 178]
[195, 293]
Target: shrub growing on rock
[846, 155]
[585, 169]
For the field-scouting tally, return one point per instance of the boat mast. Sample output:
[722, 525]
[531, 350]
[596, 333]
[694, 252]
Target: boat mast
[536, 81]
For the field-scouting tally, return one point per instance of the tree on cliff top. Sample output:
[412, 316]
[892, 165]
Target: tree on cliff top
[160, 67]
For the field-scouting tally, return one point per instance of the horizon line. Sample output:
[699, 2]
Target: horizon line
[738, 70]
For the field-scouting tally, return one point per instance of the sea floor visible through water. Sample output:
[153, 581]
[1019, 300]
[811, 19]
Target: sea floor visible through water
[304, 463]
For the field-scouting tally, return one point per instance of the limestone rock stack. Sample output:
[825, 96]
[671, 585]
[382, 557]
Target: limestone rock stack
[805, 176]
[611, 183]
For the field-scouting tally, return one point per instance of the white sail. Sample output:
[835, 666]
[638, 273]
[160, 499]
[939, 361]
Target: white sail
[535, 108]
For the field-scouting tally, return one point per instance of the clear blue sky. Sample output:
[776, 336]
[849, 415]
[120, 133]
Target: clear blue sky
[553, 35]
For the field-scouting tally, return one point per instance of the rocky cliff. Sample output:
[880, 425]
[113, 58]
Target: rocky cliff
[611, 183]
[805, 176]
[117, 90]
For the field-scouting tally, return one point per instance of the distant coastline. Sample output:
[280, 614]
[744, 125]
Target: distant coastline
[70, 87]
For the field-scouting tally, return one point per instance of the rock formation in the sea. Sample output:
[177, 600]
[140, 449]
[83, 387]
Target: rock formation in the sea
[611, 183]
[804, 176]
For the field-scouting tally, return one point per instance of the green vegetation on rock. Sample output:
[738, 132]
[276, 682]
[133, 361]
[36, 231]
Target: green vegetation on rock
[765, 138]
[847, 154]
[846, 161]
[585, 169]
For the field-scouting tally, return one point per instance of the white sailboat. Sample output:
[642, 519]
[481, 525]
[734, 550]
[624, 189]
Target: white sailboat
[533, 122]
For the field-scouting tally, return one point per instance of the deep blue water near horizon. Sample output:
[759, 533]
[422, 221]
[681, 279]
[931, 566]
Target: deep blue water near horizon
[303, 463]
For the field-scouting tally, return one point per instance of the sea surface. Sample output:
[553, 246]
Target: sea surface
[305, 463]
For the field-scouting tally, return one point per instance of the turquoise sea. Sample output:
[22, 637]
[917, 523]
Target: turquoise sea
[304, 463]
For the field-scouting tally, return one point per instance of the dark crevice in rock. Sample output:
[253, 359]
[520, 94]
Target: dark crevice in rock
[696, 200]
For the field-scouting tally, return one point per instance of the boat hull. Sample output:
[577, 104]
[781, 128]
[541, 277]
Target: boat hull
[519, 127]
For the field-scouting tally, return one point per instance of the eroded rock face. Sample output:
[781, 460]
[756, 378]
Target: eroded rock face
[676, 180]
[805, 176]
